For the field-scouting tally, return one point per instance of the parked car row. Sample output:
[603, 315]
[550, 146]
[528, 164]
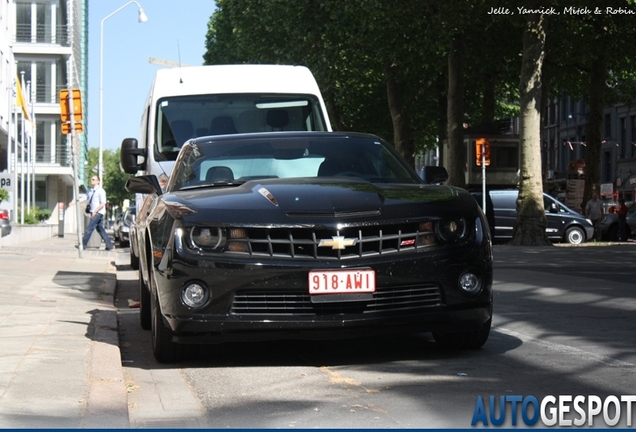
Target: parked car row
[121, 227]
[609, 225]
[5, 223]
[564, 224]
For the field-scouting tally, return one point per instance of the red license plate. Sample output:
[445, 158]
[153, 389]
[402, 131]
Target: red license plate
[342, 281]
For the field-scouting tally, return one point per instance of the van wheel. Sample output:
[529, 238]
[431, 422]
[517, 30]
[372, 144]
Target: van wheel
[575, 235]
[134, 260]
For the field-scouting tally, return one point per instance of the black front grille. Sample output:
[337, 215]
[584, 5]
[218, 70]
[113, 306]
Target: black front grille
[287, 302]
[357, 242]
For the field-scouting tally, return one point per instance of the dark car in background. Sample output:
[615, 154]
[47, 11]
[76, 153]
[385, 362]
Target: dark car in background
[609, 224]
[5, 223]
[123, 222]
[307, 235]
[564, 224]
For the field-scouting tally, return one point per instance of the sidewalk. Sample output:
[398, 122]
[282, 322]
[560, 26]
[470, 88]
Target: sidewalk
[60, 364]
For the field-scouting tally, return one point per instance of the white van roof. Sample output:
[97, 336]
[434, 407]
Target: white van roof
[226, 79]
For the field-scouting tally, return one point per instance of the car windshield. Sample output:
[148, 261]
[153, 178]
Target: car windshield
[180, 118]
[203, 164]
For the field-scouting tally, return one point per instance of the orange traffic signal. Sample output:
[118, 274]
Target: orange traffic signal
[482, 148]
[65, 107]
[66, 127]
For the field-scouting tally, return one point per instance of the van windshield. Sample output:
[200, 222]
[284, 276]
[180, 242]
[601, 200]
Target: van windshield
[180, 118]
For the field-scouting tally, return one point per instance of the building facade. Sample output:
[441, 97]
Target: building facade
[564, 143]
[43, 46]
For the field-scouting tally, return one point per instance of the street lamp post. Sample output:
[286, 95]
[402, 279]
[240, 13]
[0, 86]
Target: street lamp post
[142, 18]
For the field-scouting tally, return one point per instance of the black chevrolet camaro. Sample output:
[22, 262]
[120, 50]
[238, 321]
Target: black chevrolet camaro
[307, 235]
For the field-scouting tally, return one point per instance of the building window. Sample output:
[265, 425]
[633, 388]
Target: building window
[607, 167]
[623, 138]
[504, 155]
[608, 126]
[48, 79]
[632, 121]
[48, 27]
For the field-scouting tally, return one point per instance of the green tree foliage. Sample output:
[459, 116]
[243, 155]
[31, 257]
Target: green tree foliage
[383, 67]
[4, 195]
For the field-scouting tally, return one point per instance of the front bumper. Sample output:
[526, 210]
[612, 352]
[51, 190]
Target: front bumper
[255, 301]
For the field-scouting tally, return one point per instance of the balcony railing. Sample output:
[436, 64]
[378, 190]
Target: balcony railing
[43, 94]
[44, 34]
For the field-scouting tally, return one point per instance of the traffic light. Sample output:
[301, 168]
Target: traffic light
[482, 148]
[65, 111]
[67, 97]
[66, 127]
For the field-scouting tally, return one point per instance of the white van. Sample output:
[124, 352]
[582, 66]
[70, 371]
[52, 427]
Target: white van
[198, 101]
[214, 100]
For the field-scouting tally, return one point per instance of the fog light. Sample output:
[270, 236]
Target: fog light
[195, 295]
[470, 283]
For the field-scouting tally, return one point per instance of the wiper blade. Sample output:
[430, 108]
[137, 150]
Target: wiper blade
[213, 184]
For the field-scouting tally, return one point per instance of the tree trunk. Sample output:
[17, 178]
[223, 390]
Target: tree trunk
[402, 136]
[442, 117]
[594, 130]
[456, 149]
[531, 220]
[489, 101]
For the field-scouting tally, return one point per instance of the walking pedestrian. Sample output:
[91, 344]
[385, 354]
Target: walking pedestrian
[96, 209]
[594, 211]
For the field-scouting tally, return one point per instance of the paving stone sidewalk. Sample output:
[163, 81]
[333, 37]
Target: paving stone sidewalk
[60, 364]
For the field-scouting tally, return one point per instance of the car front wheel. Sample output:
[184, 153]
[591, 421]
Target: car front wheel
[163, 348]
[575, 235]
[463, 340]
[145, 316]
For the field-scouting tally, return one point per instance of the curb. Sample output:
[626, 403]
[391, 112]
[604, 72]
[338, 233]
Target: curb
[107, 404]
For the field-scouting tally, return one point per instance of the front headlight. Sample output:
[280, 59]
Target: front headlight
[207, 237]
[451, 229]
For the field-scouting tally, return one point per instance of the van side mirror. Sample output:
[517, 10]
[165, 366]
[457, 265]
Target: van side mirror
[129, 156]
[554, 208]
[434, 174]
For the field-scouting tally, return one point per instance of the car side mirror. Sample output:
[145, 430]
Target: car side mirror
[434, 174]
[148, 184]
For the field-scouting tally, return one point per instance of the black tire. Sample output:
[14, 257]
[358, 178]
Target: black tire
[612, 233]
[574, 235]
[468, 340]
[134, 260]
[163, 348]
[145, 308]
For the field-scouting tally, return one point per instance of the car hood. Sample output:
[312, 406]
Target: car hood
[281, 200]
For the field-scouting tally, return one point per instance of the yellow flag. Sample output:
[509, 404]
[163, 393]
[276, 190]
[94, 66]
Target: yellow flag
[21, 100]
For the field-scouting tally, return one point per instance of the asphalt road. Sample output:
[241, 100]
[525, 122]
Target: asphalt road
[563, 325]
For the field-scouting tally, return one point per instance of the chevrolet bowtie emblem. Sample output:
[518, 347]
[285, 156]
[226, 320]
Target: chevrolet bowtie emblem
[337, 242]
